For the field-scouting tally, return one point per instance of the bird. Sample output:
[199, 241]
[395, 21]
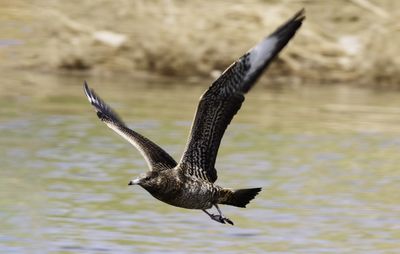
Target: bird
[190, 183]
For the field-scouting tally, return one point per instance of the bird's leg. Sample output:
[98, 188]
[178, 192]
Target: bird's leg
[218, 217]
[224, 219]
[214, 216]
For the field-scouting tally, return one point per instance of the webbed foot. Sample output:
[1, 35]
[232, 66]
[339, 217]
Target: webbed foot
[219, 218]
[228, 220]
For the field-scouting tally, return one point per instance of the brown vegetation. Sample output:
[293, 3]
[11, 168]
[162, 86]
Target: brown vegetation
[353, 41]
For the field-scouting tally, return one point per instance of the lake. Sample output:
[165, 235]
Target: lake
[327, 158]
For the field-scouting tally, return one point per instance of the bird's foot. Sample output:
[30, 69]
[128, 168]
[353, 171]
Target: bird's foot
[220, 219]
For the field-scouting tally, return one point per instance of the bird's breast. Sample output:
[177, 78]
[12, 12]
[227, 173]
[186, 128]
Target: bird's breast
[189, 193]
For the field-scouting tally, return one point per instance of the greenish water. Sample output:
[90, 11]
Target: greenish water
[327, 158]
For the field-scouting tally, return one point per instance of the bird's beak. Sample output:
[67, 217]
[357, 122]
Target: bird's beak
[134, 182]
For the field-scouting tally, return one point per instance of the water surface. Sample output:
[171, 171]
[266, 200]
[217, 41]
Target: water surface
[326, 157]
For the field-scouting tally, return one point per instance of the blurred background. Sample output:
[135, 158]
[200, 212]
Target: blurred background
[319, 132]
[348, 41]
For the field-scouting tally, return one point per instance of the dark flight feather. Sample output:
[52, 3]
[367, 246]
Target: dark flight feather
[223, 99]
[155, 156]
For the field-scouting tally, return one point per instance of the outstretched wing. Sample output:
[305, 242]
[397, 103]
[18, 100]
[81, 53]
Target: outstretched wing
[224, 98]
[155, 156]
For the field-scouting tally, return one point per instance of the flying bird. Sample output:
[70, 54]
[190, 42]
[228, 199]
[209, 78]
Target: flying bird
[191, 182]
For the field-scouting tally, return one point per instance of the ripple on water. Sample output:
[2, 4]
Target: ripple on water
[326, 189]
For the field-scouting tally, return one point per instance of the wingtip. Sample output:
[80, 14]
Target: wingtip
[289, 28]
[301, 12]
[297, 18]
[85, 86]
[300, 15]
[91, 96]
[88, 92]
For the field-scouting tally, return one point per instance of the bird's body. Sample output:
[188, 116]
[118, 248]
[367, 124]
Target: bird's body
[177, 189]
[191, 182]
[174, 187]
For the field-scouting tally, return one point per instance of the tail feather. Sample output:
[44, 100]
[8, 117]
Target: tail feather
[241, 197]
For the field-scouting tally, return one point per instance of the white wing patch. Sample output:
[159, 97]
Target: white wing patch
[261, 52]
[130, 140]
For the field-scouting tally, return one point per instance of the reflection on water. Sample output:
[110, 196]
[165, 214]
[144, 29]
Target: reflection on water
[326, 157]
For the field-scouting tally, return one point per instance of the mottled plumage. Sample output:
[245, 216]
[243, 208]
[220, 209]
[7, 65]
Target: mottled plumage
[190, 183]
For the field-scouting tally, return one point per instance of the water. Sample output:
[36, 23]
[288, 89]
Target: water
[327, 158]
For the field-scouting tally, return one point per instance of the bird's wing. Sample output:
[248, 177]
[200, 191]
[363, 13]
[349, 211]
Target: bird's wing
[154, 155]
[224, 98]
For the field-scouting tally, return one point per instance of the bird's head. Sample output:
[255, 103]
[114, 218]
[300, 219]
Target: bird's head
[146, 179]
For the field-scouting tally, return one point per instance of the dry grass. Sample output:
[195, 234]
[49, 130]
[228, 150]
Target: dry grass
[354, 41]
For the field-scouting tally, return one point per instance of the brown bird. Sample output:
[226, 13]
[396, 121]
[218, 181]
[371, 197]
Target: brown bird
[191, 182]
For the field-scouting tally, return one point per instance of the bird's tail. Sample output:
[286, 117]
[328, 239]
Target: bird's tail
[239, 198]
